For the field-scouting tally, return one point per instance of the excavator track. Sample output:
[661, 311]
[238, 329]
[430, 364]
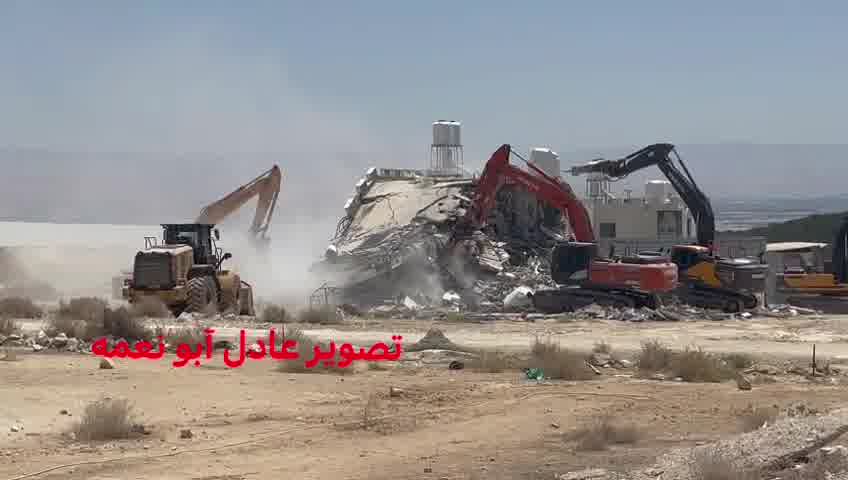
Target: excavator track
[704, 296]
[560, 300]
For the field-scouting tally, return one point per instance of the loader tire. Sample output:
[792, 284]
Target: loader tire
[199, 294]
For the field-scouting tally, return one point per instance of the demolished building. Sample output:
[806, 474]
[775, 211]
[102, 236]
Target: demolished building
[391, 242]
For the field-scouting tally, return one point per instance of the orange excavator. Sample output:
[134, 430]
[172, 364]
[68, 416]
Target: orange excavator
[267, 187]
[582, 277]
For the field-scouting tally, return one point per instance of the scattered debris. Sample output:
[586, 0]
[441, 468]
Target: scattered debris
[106, 364]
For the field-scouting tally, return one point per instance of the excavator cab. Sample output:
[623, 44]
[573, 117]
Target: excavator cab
[572, 261]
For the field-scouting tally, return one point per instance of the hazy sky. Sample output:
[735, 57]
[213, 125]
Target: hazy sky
[371, 76]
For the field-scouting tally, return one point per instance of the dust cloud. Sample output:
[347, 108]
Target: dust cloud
[162, 125]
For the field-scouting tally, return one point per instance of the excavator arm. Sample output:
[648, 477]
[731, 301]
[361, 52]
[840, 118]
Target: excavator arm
[266, 186]
[558, 194]
[659, 155]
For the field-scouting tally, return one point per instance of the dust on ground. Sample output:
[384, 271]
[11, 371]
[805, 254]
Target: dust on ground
[404, 420]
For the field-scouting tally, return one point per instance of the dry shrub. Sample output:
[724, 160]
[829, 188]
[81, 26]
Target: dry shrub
[150, 307]
[88, 309]
[602, 347]
[274, 314]
[602, 432]
[88, 318]
[752, 418]
[121, 324]
[8, 326]
[559, 363]
[691, 365]
[325, 315]
[107, 419]
[306, 350]
[19, 307]
[710, 465]
[738, 361]
[695, 365]
[187, 335]
[654, 357]
[490, 362]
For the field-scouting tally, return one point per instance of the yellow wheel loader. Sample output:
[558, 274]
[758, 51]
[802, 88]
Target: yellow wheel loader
[184, 272]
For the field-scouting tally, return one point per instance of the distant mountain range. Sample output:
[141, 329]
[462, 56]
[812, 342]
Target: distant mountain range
[764, 182]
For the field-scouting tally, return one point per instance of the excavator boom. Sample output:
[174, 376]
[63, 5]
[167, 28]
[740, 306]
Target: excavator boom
[574, 264]
[266, 186]
[557, 193]
[659, 155]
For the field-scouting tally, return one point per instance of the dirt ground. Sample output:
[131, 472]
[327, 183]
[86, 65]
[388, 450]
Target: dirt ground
[256, 421]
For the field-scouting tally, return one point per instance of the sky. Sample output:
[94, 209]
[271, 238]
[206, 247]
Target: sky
[371, 76]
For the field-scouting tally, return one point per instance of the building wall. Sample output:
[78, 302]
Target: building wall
[637, 219]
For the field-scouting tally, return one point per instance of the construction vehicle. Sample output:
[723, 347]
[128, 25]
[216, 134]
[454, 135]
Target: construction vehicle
[184, 272]
[266, 186]
[582, 276]
[816, 288]
[706, 280]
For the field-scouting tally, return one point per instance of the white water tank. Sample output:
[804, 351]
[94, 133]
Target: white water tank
[657, 190]
[447, 132]
[546, 160]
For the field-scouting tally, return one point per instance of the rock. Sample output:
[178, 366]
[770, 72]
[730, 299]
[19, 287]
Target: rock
[42, 339]
[742, 383]
[63, 412]
[410, 304]
[658, 376]
[434, 339]
[518, 298]
[601, 359]
[106, 364]
[395, 392]
[37, 347]
[456, 365]
[59, 341]
[186, 433]
[16, 428]
[624, 363]
[187, 317]
[588, 474]
[451, 297]
[763, 369]
[73, 345]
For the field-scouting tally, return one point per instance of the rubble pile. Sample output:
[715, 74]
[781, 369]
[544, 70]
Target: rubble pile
[42, 341]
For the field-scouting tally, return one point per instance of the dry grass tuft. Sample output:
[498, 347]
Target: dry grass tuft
[107, 419]
[752, 418]
[691, 365]
[654, 357]
[189, 335]
[274, 314]
[120, 323]
[710, 465]
[88, 318]
[602, 432]
[19, 307]
[738, 361]
[695, 365]
[150, 307]
[8, 326]
[602, 347]
[559, 363]
[306, 350]
[320, 315]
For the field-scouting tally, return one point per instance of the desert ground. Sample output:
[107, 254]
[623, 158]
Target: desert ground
[415, 418]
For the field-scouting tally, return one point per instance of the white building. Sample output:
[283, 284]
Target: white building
[659, 214]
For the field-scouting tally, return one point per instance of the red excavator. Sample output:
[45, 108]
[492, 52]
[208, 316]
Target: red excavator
[582, 276]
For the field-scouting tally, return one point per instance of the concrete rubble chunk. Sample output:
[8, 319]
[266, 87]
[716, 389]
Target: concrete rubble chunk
[519, 297]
